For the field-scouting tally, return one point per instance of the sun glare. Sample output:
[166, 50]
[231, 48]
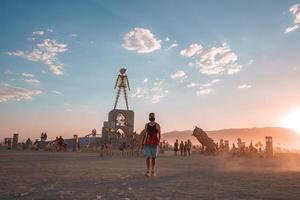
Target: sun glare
[292, 120]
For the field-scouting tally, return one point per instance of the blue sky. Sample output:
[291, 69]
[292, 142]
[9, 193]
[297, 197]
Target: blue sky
[206, 63]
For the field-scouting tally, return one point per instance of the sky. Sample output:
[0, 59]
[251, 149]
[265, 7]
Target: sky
[213, 64]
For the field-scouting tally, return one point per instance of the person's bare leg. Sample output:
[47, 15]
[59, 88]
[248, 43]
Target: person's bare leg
[148, 167]
[148, 164]
[152, 166]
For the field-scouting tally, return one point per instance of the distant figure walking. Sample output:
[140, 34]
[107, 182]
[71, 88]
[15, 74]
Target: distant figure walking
[185, 148]
[181, 148]
[176, 147]
[150, 142]
[60, 141]
[61, 144]
[189, 147]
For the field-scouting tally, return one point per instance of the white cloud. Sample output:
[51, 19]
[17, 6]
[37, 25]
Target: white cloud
[57, 92]
[46, 52]
[38, 33]
[178, 74]
[73, 35]
[30, 39]
[157, 87]
[216, 60]
[234, 69]
[295, 10]
[139, 93]
[141, 40]
[16, 53]
[145, 80]
[244, 86]
[156, 98]
[215, 81]
[191, 85]
[158, 92]
[31, 81]
[192, 50]
[11, 93]
[202, 91]
[155, 92]
[291, 28]
[28, 75]
[173, 45]
[211, 83]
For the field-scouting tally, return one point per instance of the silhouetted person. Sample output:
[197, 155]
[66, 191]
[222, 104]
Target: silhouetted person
[234, 150]
[36, 142]
[181, 148]
[185, 148]
[60, 141]
[150, 142]
[189, 147]
[176, 147]
[28, 142]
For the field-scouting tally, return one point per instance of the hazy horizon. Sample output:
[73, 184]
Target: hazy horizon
[51, 136]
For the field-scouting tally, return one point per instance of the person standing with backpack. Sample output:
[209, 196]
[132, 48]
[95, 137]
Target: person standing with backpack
[150, 143]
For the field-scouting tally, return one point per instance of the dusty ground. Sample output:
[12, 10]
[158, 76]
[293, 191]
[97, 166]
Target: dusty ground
[43, 175]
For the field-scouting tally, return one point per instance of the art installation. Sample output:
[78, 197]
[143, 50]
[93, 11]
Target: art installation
[120, 123]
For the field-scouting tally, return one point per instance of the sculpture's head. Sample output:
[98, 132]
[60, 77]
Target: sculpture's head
[197, 131]
[123, 70]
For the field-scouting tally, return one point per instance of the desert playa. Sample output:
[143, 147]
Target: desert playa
[66, 175]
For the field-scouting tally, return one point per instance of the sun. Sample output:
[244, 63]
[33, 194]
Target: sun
[292, 120]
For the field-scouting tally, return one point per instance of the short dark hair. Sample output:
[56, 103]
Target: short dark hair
[152, 113]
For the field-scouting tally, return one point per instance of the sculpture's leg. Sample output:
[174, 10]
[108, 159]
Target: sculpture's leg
[117, 98]
[126, 100]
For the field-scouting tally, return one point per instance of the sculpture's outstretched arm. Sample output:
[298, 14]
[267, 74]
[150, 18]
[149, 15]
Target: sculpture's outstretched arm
[117, 81]
[128, 83]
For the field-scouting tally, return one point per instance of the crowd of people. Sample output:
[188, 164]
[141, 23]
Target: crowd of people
[184, 148]
[60, 144]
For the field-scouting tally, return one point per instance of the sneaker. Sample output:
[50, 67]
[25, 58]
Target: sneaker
[147, 174]
[153, 173]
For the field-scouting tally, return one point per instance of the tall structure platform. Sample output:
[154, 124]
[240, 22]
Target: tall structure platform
[120, 123]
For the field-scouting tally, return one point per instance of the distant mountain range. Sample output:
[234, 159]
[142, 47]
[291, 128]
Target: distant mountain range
[283, 137]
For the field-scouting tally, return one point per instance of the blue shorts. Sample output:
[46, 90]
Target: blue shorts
[150, 151]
